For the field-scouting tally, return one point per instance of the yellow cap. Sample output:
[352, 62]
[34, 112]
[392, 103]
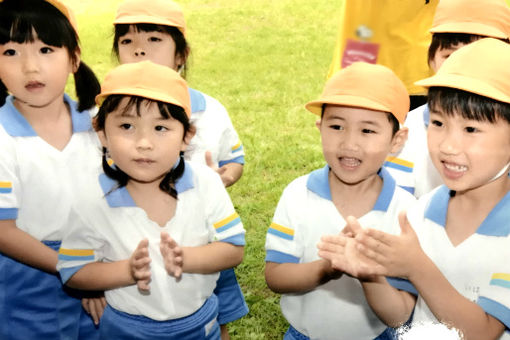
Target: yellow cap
[367, 86]
[481, 67]
[490, 18]
[148, 80]
[158, 12]
[66, 10]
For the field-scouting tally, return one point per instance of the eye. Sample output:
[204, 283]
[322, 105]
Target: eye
[126, 126]
[154, 39]
[46, 50]
[436, 123]
[336, 127]
[125, 41]
[9, 53]
[470, 129]
[367, 131]
[160, 128]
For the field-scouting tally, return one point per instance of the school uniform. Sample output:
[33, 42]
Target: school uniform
[337, 309]
[216, 133]
[412, 167]
[35, 191]
[108, 227]
[477, 268]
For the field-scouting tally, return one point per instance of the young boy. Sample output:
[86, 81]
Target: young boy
[453, 247]
[456, 23]
[360, 108]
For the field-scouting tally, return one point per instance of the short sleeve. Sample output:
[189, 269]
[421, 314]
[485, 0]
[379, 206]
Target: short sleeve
[282, 239]
[224, 222]
[81, 245]
[495, 296]
[232, 150]
[10, 184]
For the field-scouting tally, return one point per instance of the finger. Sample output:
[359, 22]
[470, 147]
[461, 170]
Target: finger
[141, 263]
[143, 244]
[379, 236]
[403, 221]
[103, 303]
[338, 240]
[353, 225]
[177, 272]
[85, 305]
[94, 313]
[143, 285]
[374, 244]
[209, 161]
[331, 247]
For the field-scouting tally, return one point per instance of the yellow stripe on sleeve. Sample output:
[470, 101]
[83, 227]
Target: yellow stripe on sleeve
[226, 220]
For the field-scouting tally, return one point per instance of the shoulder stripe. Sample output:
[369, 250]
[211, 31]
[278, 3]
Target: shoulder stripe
[400, 164]
[76, 254]
[227, 223]
[281, 231]
[500, 279]
[237, 147]
[5, 187]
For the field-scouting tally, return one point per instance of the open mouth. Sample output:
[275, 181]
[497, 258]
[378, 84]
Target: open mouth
[455, 167]
[349, 162]
[34, 85]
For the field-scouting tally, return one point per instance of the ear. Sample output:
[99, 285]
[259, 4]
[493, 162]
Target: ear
[77, 60]
[180, 59]
[102, 138]
[399, 139]
[187, 137]
[318, 123]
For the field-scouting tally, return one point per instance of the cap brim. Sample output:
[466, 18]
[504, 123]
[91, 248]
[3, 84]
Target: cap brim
[464, 83]
[145, 93]
[142, 19]
[469, 28]
[345, 100]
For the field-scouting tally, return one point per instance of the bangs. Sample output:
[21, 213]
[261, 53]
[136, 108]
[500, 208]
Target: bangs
[25, 21]
[469, 105]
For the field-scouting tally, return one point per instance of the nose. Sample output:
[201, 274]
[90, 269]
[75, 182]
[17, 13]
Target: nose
[349, 141]
[143, 141]
[139, 52]
[449, 144]
[30, 64]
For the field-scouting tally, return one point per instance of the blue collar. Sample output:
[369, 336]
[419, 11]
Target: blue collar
[426, 115]
[17, 126]
[120, 197]
[495, 224]
[197, 100]
[318, 182]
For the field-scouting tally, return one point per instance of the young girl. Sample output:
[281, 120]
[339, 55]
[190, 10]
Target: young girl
[155, 31]
[157, 286]
[453, 247]
[47, 141]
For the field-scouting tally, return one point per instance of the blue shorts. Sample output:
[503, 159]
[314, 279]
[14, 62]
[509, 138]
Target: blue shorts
[35, 305]
[201, 325]
[294, 334]
[232, 305]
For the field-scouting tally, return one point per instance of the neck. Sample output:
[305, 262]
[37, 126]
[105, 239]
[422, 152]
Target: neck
[367, 185]
[49, 113]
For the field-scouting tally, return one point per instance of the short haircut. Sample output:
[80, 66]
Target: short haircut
[469, 105]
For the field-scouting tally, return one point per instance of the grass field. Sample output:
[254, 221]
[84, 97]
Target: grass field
[263, 60]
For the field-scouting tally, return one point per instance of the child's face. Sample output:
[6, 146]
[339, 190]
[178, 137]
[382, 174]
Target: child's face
[467, 153]
[145, 147]
[356, 141]
[35, 73]
[158, 47]
[442, 54]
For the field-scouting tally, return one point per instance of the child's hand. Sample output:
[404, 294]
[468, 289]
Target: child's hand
[225, 177]
[172, 255]
[341, 251]
[139, 263]
[94, 307]
[396, 255]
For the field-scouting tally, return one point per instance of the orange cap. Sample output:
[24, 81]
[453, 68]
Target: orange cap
[148, 80]
[158, 12]
[367, 86]
[481, 67]
[66, 10]
[490, 18]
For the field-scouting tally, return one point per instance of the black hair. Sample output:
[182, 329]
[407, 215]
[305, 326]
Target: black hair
[469, 105]
[182, 48]
[395, 125]
[448, 40]
[24, 21]
[167, 111]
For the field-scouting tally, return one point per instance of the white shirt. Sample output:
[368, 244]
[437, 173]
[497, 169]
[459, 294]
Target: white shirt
[338, 309]
[215, 132]
[108, 227]
[36, 178]
[412, 167]
[479, 267]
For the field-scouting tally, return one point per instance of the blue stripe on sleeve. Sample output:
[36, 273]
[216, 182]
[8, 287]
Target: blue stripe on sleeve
[238, 160]
[236, 240]
[279, 257]
[497, 310]
[402, 284]
[229, 225]
[62, 257]
[66, 273]
[8, 213]
[398, 167]
[280, 234]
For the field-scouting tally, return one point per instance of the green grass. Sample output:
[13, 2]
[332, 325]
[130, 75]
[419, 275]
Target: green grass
[263, 60]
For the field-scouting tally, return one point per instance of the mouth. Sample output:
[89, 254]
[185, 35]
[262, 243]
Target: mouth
[34, 85]
[349, 162]
[144, 161]
[456, 168]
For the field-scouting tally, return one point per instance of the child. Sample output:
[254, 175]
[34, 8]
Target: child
[456, 23]
[47, 142]
[453, 247]
[157, 286]
[360, 108]
[155, 31]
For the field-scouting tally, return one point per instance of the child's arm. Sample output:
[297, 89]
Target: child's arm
[105, 276]
[229, 173]
[14, 243]
[391, 305]
[206, 259]
[402, 256]
[285, 278]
